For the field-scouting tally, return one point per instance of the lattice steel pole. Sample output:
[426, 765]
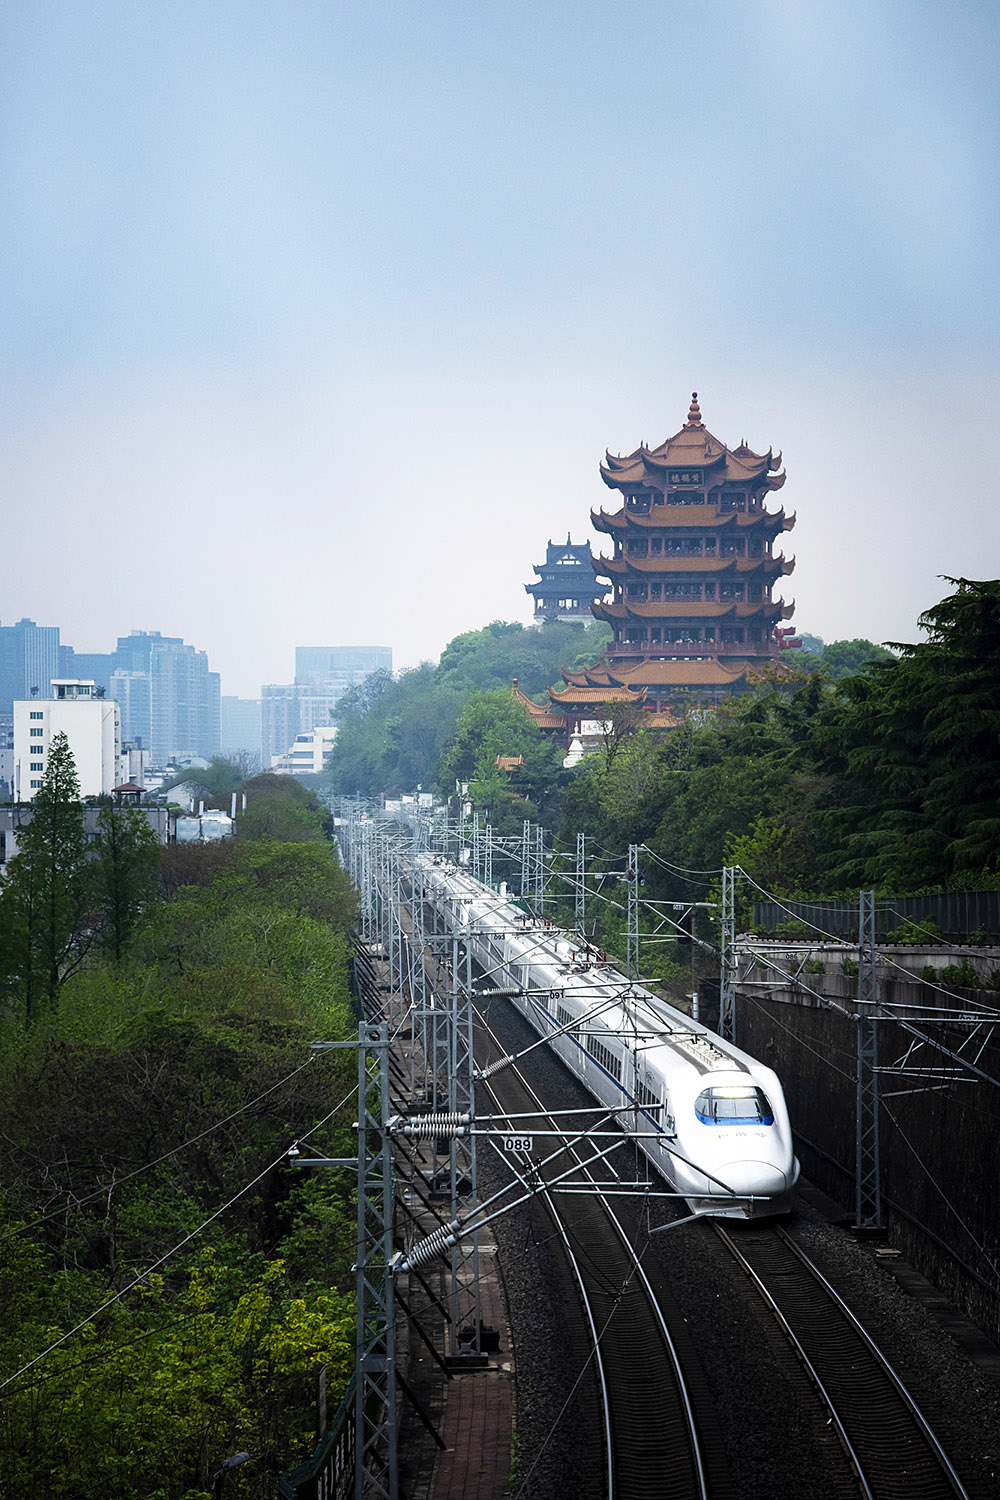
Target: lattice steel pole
[366, 882]
[727, 955]
[632, 914]
[475, 844]
[525, 857]
[580, 903]
[867, 1167]
[466, 1310]
[376, 1456]
[539, 869]
[488, 855]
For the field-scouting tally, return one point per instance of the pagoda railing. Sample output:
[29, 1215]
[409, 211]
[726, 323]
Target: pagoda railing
[669, 650]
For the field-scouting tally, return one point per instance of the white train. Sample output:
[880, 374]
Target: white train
[711, 1118]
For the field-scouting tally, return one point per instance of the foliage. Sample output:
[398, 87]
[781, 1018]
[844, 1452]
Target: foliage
[126, 858]
[148, 1402]
[493, 725]
[393, 732]
[44, 892]
[962, 973]
[913, 745]
[281, 808]
[152, 1101]
[492, 657]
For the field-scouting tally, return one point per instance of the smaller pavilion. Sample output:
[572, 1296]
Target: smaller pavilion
[566, 582]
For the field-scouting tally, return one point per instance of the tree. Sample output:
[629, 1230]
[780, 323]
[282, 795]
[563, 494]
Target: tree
[124, 869]
[43, 899]
[912, 747]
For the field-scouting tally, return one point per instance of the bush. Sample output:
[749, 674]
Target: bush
[916, 933]
[962, 974]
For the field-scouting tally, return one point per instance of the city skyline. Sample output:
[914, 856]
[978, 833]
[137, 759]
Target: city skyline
[316, 328]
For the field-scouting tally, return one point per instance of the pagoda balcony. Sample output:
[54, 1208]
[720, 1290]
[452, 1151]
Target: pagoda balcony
[668, 649]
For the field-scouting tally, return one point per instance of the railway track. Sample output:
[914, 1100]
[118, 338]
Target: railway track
[889, 1442]
[654, 1441]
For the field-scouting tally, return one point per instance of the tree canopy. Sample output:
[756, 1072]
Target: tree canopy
[144, 1117]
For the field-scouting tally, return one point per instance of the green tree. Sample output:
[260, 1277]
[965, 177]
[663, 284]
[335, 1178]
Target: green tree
[912, 749]
[492, 725]
[43, 899]
[126, 859]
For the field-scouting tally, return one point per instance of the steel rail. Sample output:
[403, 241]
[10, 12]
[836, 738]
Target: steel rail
[864, 1433]
[635, 1271]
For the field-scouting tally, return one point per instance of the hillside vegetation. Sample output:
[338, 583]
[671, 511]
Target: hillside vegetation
[170, 1287]
[870, 767]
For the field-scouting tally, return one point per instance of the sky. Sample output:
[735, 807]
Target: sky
[317, 318]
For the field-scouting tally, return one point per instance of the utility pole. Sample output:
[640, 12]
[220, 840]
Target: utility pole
[525, 855]
[632, 915]
[580, 904]
[867, 1170]
[727, 956]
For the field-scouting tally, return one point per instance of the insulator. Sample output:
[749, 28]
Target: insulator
[436, 1243]
[424, 1127]
[493, 1067]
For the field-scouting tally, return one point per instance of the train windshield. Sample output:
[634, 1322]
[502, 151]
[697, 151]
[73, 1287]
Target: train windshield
[733, 1106]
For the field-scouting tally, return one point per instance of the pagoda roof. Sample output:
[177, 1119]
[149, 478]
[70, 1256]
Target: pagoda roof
[665, 565]
[595, 676]
[543, 718]
[672, 609]
[589, 696]
[691, 671]
[659, 719]
[672, 517]
[692, 448]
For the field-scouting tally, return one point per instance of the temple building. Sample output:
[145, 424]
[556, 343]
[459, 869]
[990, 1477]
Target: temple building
[691, 571]
[566, 583]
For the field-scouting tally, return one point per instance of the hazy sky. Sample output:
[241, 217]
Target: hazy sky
[317, 317]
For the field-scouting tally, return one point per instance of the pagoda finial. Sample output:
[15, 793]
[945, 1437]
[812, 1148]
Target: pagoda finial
[694, 412]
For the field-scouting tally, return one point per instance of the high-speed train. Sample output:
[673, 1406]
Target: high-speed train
[711, 1118]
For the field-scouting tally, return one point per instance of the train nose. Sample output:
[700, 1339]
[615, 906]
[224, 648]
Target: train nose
[761, 1179]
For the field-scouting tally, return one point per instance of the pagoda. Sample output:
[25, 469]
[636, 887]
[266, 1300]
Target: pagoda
[691, 574]
[566, 582]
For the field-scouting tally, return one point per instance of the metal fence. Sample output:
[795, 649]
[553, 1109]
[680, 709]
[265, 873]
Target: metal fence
[329, 1473]
[957, 915]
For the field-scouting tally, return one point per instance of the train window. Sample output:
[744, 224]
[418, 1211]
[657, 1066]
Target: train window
[733, 1106]
[647, 1099]
[605, 1056]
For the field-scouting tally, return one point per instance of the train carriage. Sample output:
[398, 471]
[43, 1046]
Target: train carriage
[710, 1117]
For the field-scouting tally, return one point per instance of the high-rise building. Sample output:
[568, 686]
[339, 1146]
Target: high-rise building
[329, 668]
[29, 660]
[288, 709]
[240, 726]
[181, 719]
[322, 675]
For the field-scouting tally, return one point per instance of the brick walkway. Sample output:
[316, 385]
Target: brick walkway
[479, 1414]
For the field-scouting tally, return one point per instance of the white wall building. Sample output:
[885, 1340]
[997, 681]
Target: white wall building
[92, 725]
[307, 753]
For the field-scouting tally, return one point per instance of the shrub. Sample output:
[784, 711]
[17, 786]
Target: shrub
[962, 973]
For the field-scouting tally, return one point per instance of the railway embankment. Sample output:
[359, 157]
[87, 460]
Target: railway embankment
[939, 1103]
